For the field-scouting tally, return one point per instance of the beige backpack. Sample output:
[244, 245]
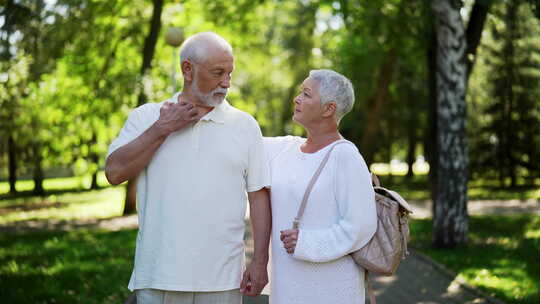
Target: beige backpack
[388, 246]
[383, 253]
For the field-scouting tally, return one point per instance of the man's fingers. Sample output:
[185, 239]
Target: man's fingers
[188, 106]
[243, 284]
[255, 290]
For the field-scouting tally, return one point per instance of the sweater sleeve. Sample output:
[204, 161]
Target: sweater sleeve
[357, 220]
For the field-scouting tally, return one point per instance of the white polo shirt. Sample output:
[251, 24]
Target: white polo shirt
[191, 199]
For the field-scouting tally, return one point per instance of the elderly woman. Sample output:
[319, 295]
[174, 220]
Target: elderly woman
[312, 264]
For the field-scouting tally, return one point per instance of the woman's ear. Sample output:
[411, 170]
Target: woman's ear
[329, 109]
[187, 70]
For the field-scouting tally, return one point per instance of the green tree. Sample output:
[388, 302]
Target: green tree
[509, 136]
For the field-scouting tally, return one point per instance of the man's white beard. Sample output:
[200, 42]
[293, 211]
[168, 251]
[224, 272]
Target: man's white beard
[208, 99]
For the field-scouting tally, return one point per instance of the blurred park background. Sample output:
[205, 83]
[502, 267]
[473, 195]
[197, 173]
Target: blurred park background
[447, 113]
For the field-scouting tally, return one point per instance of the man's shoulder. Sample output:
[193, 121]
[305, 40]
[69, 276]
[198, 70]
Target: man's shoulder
[240, 115]
[146, 113]
[150, 106]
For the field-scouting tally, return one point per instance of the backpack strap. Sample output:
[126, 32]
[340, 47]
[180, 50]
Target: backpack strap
[296, 222]
[371, 293]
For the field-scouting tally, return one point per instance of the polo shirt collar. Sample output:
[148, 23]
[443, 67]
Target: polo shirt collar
[217, 115]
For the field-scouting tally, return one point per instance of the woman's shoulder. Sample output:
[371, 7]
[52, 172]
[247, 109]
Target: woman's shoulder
[275, 145]
[283, 140]
[346, 148]
[346, 151]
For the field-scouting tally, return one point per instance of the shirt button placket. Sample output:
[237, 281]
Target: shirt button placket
[196, 134]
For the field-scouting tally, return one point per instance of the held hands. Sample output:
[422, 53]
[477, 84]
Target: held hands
[289, 239]
[175, 116]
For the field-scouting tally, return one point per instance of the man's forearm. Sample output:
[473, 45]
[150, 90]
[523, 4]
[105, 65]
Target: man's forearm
[129, 160]
[261, 221]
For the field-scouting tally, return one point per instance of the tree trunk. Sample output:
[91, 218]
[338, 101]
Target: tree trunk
[94, 158]
[94, 185]
[510, 67]
[430, 145]
[38, 171]
[150, 45]
[389, 145]
[411, 151]
[474, 31]
[12, 159]
[148, 53]
[412, 138]
[450, 217]
[377, 102]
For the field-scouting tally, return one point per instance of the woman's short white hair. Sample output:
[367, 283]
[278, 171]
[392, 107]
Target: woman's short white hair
[334, 87]
[195, 48]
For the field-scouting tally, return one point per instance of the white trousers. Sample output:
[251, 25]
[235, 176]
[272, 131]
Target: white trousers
[156, 296]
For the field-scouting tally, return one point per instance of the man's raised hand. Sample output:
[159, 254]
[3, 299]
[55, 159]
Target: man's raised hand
[175, 116]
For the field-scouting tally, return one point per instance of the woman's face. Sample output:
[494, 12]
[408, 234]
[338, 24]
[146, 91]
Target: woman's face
[307, 105]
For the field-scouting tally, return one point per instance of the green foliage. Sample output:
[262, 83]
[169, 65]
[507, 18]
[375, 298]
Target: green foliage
[501, 257]
[70, 73]
[507, 134]
[375, 32]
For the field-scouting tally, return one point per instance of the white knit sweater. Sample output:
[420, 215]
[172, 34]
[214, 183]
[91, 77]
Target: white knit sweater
[340, 217]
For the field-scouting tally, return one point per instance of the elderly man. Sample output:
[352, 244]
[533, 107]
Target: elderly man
[195, 156]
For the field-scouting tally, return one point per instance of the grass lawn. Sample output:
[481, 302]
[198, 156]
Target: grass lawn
[501, 259]
[79, 266]
[102, 203]
[55, 184]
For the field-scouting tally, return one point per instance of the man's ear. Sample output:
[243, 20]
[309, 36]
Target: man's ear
[187, 70]
[329, 109]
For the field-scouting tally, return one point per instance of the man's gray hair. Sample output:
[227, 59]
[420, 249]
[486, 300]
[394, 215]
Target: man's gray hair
[195, 48]
[334, 87]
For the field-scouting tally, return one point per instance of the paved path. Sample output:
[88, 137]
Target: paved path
[422, 208]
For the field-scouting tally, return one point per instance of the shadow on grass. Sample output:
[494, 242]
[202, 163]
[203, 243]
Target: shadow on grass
[30, 207]
[30, 193]
[80, 266]
[501, 257]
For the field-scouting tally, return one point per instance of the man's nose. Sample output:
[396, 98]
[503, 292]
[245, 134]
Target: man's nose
[225, 83]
